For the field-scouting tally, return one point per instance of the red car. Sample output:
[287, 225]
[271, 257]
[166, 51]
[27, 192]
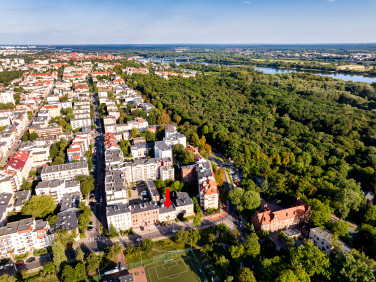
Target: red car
[20, 262]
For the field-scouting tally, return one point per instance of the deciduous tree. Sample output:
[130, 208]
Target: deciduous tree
[310, 258]
[39, 206]
[59, 254]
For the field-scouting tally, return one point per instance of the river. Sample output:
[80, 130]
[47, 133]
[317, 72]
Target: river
[345, 77]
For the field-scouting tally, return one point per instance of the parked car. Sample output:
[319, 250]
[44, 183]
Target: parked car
[139, 240]
[174, 231]
[9, 265]
[30, 259]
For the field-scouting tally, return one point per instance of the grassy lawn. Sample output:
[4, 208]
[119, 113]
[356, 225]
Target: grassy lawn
[167, 245]
[36, 276]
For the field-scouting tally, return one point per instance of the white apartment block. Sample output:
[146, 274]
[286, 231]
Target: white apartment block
[6, 97]
[119, 216]
[161, 150]
[57, 189]
[80, 122]
[23, 236]
[324, 240]
[166, 172]
[116, 188]
[64, 171]
[144, 169]
[173, 137]
[10, 181]
[183, 203]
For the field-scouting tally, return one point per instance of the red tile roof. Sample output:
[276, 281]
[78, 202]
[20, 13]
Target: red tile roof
[17, 161]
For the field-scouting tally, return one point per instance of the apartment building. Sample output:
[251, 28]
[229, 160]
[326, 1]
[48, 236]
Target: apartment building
[209, 195]
[166, 214]
[132, 70]
[268, 220]
[68, 219]
[202, 175]
[166, 172]
[20, 161]
[80, 122]
[57, 189]
[24, 236]
[53, 110]
[152, 191]
[145, 169]
[6, 97]
[183, 203]
[162, 150]
[64, 171]
[109, 120]
[82, 115]
[116, 188]
[39, 154]
[119, 216]
[325, 241]
[113, 155]
[10, 181]
[6, 206]
[139, 150]
[173, 137]
[46, 131]
[138, 123]
[70, 201]
[21, 197]
[143, 214]
[78, 147]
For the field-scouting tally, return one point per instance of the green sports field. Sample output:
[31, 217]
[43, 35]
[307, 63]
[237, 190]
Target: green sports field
[180, 269]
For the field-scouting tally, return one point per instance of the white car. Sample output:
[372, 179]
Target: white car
[174, 231]
[138, 239]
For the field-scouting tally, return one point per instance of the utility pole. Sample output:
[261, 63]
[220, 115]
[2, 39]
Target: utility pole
[141, 257]
[191, 243]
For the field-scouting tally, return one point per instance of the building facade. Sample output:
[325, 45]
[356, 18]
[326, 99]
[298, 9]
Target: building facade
[57, 189]
[268, 220]
[24, 236]
[64, 171]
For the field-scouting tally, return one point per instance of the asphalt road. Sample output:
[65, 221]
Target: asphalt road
[95, 241]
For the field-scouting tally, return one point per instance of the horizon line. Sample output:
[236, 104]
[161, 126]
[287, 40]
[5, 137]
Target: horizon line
[104, 44]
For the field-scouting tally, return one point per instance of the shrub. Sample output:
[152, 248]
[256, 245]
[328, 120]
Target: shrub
[23, 256]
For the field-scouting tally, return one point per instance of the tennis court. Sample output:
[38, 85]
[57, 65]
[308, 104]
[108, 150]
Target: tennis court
[179, 268]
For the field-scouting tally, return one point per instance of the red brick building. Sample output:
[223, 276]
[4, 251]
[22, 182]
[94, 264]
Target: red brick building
[268, 220]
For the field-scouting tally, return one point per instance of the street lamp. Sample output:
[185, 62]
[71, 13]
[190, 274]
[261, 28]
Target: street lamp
[191, 244]
[141, 257]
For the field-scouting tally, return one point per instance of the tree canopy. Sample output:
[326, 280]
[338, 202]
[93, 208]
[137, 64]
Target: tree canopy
[39, 206]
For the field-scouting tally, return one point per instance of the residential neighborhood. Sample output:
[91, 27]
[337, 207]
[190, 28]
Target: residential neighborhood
[90, 161]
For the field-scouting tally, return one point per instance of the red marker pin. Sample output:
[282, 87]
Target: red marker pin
[168, 201]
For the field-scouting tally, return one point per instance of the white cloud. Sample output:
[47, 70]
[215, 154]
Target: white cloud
[247, 2]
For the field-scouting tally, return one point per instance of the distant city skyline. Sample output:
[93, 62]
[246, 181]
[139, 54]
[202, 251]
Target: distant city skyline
[187, 22]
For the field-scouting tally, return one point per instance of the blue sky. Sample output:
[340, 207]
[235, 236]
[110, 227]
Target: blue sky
[186, 21]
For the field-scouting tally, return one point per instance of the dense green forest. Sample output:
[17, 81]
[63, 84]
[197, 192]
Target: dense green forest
[307, 136]
[7, 76]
